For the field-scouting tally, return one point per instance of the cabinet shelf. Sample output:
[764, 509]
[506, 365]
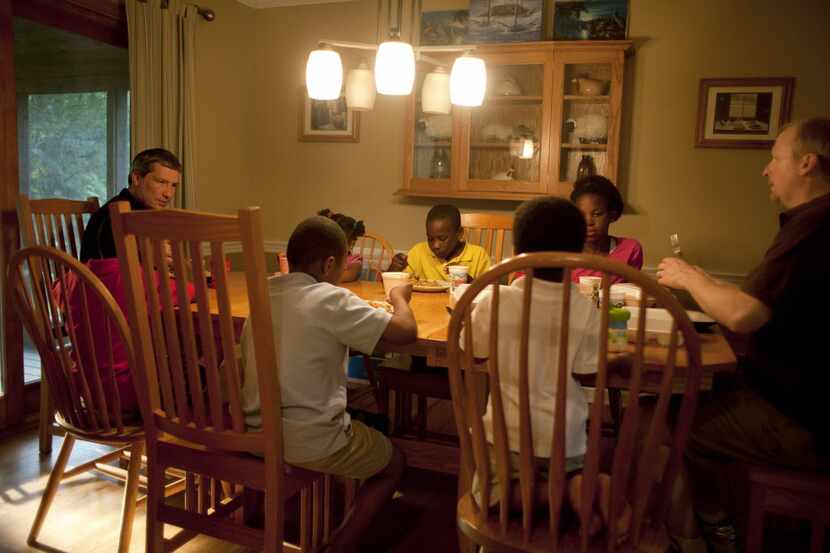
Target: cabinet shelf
[433, 145]
[595, 147]
[587, 99]
[502, 100]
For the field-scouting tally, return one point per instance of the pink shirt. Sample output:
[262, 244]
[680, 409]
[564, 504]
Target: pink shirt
[625, 250]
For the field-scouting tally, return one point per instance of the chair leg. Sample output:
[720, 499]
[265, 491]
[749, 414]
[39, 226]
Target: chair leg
[130, 495]
[54, 481]
[817, 537]
[755, 519]
[46, 418]
[155, 497]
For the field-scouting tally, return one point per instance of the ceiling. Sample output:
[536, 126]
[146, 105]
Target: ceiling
[284, 3]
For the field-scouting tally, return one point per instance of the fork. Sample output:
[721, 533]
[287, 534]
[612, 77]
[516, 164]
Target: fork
[675, 245]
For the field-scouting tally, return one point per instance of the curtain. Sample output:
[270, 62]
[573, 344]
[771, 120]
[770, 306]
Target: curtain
[162, 113]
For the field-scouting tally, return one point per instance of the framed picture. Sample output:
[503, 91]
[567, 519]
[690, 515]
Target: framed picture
[505, 21]
[590, 19]
[327, 120]
[444, 27]
[742, 113]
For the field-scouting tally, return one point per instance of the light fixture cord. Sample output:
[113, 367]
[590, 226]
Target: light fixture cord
[380, 17]
[400, 16]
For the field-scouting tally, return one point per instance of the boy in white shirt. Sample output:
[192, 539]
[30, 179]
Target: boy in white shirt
[544, 224]
[315, 324]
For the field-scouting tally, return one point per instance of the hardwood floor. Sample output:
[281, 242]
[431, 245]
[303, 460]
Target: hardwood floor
[86, 513]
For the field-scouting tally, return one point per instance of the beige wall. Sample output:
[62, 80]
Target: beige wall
[251, 65]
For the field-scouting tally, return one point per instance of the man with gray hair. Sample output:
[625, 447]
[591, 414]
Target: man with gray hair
[154, 176]
[775, 416]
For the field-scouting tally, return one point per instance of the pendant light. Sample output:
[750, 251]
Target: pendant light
[324, 74]
[394, 68]
[468, 81]
[435, 92]
[360, 88]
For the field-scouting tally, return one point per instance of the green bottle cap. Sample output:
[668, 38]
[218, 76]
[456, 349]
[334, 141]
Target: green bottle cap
[618, 315]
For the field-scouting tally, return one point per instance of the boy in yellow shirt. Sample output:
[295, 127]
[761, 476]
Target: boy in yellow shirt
[444, 247]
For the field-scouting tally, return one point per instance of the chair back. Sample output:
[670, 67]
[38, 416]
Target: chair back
[377, 252]
[487, 230]
[54, 222]
[81, 335]
[186, 354]
[640, 476]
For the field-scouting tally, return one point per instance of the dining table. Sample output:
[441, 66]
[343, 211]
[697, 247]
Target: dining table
[433, 318]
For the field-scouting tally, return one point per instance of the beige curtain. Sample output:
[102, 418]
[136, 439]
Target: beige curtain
[161, 45]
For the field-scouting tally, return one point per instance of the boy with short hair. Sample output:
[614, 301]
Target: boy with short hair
[545, 224]
[315, 324]
[444, 246]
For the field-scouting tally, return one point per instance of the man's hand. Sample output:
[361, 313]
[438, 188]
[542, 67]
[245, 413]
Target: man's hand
[399, 262]
[167, 252]
[675, 273]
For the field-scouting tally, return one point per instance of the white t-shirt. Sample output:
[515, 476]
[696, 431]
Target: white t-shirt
[543, 355]
[315, 324]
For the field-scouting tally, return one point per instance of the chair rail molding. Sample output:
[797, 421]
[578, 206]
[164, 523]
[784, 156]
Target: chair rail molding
[261, 4]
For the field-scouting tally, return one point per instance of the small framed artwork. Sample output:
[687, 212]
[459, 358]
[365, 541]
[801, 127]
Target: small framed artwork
[742, 113]
[590, 19]
[505, 21]
[442, 28]
[327, 120]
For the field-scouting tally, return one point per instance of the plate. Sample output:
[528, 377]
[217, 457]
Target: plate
[431, 286]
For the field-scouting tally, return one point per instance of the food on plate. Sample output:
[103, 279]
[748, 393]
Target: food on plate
[430, 285]
[382, 305]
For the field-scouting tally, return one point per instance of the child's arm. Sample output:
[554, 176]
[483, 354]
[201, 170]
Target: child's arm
[399, 262]
[402, 328]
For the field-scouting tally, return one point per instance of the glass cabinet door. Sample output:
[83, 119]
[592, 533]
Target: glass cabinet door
[586, 120]
[506, 135]
[432, 144]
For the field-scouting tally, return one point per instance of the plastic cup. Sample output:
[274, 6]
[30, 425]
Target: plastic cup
[391, 279]
[458, 275]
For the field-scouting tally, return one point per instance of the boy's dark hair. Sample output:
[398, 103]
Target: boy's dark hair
[445, 211]
[143, 162]
[602, 187]
[314, 239]
[548, 224]
[353, 228]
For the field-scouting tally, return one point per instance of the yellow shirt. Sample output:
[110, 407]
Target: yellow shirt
[425, 265]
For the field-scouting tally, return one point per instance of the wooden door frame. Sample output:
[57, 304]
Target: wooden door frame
[102, 20]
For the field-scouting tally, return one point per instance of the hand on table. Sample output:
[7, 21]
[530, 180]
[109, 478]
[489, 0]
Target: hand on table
[399, 262]
[402, 293]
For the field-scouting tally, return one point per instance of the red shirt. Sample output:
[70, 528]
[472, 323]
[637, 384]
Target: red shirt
[625, 250]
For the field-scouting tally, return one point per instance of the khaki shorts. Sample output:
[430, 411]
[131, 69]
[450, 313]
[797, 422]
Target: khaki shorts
[572, 464]
[367, 453]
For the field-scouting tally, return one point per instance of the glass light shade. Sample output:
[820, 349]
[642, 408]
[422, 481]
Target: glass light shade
[528, 149]
[468, 81]
[360, 88]
[394, 68]
[324, 75]
[435, 93]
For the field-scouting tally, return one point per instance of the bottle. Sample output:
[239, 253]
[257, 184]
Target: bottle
[440, 165]
[586, 167]
[617, 329]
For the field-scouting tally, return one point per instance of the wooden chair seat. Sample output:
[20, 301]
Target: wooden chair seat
[796, 494]
[487, 533]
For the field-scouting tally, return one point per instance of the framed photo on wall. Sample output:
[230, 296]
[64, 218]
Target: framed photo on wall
[590, 19]
[327, 120]
[742, 113]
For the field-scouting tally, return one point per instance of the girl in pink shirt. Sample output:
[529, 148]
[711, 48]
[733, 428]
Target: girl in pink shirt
[601, 204]
[353, 229]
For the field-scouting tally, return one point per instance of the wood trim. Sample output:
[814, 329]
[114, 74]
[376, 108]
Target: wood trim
[104, 20]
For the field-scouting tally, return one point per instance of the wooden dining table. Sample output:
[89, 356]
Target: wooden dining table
[433, 319]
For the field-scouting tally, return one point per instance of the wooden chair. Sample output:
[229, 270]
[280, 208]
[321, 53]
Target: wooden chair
[58, 223]
[191, 399]
[801, 495]
[640, 476]
[377, 252]
[77, 364]
[487, 230]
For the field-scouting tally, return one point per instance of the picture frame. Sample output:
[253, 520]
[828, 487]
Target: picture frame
[442, 28]
[590, 19]
[327, 120]
[504, 21]
[742, 113]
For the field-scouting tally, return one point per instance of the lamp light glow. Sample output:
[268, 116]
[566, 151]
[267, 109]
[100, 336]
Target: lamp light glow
[394, 68]
[360, 88]
[528, 149]
[435, 93]
[324, 74]
[468, 81]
